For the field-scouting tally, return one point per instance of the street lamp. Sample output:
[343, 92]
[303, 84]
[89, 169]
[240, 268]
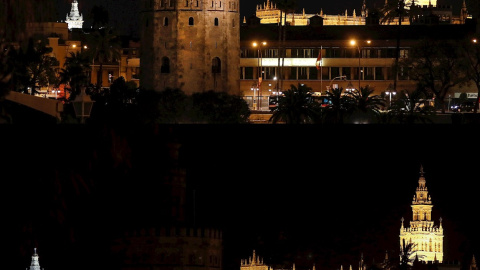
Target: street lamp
[355, 43]
[254, 88]
[350, 87]
[260, 68]
[82, 104]
[390, 91]
[343, 77]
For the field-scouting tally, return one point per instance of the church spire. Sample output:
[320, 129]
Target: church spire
[74, 18]
[421, 195]
[422, 229]
[34, 265]
[473, 263]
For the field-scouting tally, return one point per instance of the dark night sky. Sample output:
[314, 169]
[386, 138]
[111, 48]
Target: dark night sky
[124, 13]
[325, 195]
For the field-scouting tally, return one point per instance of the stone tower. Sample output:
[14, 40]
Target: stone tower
[173, 242]
[74, 18]
[193, 45]
[426, 237]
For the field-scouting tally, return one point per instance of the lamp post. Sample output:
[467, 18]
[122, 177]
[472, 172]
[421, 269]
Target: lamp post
[355, 43]
[254, 88]
[350, 87]
[343, 77]
[390, 91]
[259, 69]
[82, 104]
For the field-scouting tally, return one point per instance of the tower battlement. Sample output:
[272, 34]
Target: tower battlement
[175, 232]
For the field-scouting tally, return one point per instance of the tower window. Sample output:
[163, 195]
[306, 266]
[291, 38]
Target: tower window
[172, 3]
[215, 21]
[216, 65]
[165, 65]
[165, 21]
[186, 3]
[197, 3]
[190, 21]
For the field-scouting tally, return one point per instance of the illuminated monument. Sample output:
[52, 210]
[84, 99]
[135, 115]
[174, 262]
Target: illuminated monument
[74, 18]
[426, 237]
[35, 265]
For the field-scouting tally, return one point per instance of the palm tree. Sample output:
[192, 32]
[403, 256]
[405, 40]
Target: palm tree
[285, 7]
[409, 108]
[406, 254]
[296, 106]
[365, 105]
[104, 47]
[339, 105]
[75, 71]
[393, 9]
[39, 65]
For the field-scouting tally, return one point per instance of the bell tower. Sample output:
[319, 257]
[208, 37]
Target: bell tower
[74, 18]
[422, 232]
[35, 265]
[192, 45]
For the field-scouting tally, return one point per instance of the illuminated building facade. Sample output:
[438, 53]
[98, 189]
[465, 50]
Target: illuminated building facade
[269, 13]
[74, 18]
[254, 263]
[321, 56]
[190, 45]
[426, 237]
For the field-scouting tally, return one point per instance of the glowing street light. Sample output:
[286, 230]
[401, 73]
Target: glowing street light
[82, 105]
[355, 43]
[390, 91]
[254, 88]
[350, 87]
[343, 77]
[260, 72]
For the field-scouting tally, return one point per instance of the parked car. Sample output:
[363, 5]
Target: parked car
[466, 106]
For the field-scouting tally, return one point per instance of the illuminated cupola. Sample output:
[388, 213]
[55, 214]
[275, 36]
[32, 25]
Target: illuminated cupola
[34, 265]
[426, 237]
[74, 18]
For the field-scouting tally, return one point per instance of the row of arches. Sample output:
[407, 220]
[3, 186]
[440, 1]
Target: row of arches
[216, 65]
[430, 245]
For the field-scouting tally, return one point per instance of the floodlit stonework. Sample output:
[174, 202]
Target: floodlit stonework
[254, 263]
[422, 232]
[74, 18]
[35, 265]
[268, 13]
[191, 45]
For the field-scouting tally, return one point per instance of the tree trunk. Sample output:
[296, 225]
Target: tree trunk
[475, 108]
[397, 53]
[99, 78]
[283, 48]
